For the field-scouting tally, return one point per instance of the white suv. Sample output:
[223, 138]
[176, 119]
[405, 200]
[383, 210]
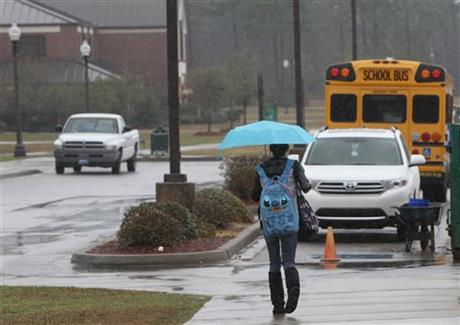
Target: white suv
[358, 176]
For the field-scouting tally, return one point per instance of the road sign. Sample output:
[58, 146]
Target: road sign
[270, 112]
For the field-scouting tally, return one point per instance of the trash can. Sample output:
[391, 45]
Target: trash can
[159, 140]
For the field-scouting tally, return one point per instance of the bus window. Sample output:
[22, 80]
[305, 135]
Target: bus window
[384, 108]
[425, 109]
[343, 108]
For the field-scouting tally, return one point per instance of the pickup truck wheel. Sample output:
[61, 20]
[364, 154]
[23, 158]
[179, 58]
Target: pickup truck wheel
[77, 169]
[132, 162]
[116, 166]
[59, 168]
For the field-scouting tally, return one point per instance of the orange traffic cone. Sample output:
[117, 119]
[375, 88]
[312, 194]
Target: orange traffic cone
[330, 259]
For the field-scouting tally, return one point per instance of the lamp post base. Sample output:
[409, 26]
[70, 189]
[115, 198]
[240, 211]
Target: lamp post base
[19, 150]
[175, 188]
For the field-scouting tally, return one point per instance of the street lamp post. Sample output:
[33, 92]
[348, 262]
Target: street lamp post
[85, 50]
[283, 88]
[299, 96]
[354, 46]
[15, 34]
[175, 187]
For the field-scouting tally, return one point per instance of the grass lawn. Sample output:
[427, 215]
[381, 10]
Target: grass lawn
[8, 158]
[48, 305]
[188, 132]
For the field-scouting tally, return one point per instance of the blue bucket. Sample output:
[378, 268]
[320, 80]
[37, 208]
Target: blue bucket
[419, 203]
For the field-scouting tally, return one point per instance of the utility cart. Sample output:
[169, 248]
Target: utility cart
[419, 217]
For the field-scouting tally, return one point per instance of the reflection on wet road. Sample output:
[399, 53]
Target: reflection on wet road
[45, 218]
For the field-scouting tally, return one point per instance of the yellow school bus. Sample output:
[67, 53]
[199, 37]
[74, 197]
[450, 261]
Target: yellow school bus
[415, 97]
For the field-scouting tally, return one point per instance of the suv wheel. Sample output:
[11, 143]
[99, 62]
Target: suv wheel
[59, 168]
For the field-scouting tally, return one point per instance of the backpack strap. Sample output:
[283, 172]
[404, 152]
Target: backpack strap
[287, 169]
[263, 176]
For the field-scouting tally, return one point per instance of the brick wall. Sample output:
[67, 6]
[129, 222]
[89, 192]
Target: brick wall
[142, 54]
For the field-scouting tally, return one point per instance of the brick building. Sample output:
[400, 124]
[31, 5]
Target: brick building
[127, 37]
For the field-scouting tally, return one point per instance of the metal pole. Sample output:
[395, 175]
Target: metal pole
[354, 46]
[454, 180]
[298, 67]
[173, 90]
[86, 84]
[19, 148]
[260, 95]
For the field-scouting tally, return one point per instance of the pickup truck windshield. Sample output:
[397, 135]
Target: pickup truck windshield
[91, 125]
[354, 151]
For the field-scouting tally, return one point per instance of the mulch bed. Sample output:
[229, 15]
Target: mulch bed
[196, 245]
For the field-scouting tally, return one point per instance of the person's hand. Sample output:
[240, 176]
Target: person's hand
[306, 190]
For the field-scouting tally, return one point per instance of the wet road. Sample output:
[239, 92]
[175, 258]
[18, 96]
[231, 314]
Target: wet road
[45, 218]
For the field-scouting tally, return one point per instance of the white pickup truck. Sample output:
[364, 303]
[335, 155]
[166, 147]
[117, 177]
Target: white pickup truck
[95, 139]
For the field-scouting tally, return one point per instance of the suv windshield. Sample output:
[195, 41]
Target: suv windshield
[91, 125]
[354, 151]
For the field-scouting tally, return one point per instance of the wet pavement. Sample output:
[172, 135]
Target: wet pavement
[46, 217]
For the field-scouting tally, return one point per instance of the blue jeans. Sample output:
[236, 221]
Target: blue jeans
[287, 256]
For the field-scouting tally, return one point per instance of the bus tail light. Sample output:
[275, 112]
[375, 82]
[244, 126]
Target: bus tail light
[345, 72]
[334, 72]
[425, 74]
[426, 137]
[436, 74]
[430, 73]
[436, 137]
[415, 151]
[341, 72]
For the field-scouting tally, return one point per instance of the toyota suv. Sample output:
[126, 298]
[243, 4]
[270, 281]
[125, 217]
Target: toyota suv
[359, 176]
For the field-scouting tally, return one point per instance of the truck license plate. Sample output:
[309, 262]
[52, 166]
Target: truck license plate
[83, 162]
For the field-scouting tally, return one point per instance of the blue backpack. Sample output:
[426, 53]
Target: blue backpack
[278, 208]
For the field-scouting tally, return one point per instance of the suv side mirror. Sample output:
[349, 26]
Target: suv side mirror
[126, 129]
[58, 128]
[417, 160]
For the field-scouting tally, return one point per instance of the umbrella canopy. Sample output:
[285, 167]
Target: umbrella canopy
[265, 133]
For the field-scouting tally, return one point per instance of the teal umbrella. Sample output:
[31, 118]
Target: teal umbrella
[265, 133]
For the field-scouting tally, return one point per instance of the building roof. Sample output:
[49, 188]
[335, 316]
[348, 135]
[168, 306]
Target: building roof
[114, 13]
[58, 71]
[24, 12]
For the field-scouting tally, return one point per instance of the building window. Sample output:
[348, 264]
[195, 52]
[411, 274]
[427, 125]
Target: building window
[32, 46]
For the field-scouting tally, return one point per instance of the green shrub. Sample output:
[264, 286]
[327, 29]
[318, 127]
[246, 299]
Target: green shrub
[181, 214]
[219, 208]
[145, 224]
[205, 229]
[239, 174]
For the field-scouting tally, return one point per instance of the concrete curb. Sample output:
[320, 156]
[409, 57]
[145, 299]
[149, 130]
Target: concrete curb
[224, 252]
[21, 173]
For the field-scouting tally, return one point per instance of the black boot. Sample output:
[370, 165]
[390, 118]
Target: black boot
[293, 288]
[276, 292]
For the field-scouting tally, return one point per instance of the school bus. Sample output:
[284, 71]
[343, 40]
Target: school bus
[415, 97]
